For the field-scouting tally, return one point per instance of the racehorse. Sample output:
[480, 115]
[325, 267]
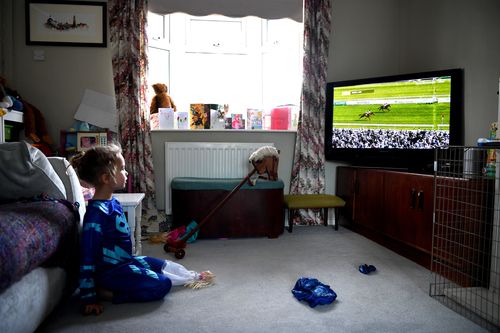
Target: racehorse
[385, 107]
[367, 114]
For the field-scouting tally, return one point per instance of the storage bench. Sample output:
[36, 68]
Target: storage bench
[253, 211]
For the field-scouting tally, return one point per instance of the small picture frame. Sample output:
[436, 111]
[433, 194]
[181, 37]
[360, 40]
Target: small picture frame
[66, 23]
[86, 140]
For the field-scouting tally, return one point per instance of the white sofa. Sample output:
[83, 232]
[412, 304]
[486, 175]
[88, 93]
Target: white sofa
[26, 172]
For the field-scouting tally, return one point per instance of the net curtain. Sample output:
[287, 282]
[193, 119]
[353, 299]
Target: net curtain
[308, 171]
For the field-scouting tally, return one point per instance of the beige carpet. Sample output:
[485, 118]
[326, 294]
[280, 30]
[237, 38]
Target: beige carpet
[252, 291]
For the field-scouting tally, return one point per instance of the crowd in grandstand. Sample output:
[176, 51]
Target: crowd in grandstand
[384, 138]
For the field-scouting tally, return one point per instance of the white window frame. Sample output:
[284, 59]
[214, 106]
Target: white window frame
[256, 44]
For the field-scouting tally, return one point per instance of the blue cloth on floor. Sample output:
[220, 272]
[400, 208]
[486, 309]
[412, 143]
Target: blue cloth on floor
[313, 292]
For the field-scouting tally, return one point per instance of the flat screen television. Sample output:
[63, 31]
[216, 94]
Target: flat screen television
[394, 121]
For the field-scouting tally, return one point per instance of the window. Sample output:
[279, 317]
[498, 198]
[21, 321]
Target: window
[246, 63]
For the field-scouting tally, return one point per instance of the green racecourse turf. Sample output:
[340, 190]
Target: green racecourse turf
[400, 114]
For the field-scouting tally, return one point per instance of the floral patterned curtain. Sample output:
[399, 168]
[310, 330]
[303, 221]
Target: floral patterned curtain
[128, 41]
[308, 171]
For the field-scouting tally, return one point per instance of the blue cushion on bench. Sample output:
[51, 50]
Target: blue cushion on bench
[195, 183]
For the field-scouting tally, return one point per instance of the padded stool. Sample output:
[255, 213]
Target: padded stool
[313, 201]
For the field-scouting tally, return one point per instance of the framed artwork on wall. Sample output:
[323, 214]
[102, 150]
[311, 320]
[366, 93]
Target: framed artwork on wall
[66, 23]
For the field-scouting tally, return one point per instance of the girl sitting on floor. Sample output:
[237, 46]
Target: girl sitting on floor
[107, 266]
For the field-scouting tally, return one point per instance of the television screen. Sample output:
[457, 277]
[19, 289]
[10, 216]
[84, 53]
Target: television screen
[392, 116]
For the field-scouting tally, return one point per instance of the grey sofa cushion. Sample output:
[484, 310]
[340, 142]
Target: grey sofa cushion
[25, 172]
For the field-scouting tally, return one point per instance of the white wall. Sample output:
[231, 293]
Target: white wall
[369, 38]
[363, 43]
[56, 85]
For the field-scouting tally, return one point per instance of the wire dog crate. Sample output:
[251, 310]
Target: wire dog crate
[465, 267]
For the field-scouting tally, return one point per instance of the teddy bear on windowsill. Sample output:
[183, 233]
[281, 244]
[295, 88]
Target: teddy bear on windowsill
[162, 99]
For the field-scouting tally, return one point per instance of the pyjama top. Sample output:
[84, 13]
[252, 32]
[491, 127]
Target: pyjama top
[105, 244]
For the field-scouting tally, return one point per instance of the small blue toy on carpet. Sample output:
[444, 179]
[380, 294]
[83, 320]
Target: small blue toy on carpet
[367, 269]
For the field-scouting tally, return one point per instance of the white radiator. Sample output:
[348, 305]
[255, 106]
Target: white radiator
[208, 160]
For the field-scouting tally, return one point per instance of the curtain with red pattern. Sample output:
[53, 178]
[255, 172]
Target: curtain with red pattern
[128, 42]
[308, 171]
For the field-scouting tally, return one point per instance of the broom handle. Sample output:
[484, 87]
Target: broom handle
[206, 218]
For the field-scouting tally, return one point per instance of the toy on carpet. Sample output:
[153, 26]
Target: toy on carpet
[160, 237]
[176, 234]
[179, 276]
[313, 292]
[204, 279]
[367, 269]
[264, 161]
[161, 99]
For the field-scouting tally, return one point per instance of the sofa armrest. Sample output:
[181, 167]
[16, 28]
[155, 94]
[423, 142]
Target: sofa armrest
[67, 174]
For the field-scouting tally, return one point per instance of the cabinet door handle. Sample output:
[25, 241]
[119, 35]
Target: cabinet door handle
[413, 198]
[420, 196]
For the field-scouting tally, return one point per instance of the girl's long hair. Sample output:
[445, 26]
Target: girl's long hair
[91, 164]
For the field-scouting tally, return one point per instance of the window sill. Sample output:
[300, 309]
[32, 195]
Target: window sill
[224, 130]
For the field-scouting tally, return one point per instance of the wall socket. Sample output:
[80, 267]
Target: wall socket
[39, 55]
